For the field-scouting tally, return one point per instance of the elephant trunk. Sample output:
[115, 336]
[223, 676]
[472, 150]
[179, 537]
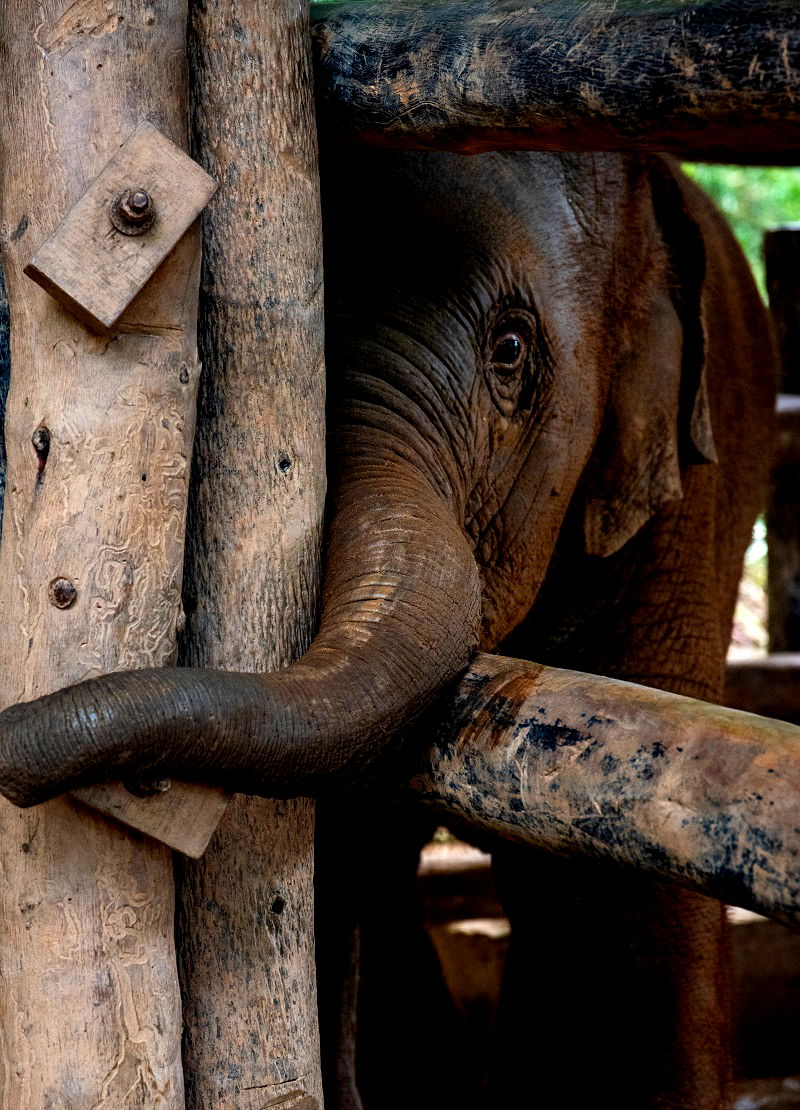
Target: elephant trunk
[401, 612]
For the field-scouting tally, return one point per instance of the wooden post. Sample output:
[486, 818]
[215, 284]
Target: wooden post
[782, 256]
[246, 909]
[98, 434]
[782, 253]
[711, 79]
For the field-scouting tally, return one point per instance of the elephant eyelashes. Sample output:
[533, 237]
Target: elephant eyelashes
[510, 362]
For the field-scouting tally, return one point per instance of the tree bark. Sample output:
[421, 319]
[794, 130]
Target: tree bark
[593, 767]
[716, 80]
[98, 435]
[252, 571]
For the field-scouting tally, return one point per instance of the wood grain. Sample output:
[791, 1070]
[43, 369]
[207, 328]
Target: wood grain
[713, 79]
[588, 766]
[93, 268]
[245, 910]
[98, 435]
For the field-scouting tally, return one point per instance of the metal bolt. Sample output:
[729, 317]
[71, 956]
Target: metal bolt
[133, 212]
[142, 787]
[62, 593]
[139, 203]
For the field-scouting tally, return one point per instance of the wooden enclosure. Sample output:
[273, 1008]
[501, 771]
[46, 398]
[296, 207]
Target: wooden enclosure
[100, 431]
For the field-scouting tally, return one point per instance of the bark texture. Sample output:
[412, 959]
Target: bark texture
[593, 767]
[716, 79]
[251, 585]
[98, 436]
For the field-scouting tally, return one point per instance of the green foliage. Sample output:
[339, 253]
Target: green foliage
[754, 198]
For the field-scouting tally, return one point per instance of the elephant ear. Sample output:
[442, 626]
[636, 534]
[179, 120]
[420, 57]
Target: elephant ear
[657, 413]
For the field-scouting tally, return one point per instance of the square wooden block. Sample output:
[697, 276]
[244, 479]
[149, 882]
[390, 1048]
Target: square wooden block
[93, 268]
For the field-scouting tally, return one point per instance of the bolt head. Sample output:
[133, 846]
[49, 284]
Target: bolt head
[139, 202]
[132, 211]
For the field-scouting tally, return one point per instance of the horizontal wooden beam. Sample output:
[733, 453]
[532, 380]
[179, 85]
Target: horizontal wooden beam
[581, 765]
[766, 684]
[707, 79]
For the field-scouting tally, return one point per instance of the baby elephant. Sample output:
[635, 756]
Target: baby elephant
[551, 379]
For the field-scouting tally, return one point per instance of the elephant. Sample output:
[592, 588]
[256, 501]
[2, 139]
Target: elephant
[551, 377]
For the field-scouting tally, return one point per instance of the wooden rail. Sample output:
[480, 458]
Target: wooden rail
[684, 790]
[768, 684]
[709, 79]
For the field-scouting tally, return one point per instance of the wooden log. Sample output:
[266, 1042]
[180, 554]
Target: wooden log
[687, 791]
[246, 909]
[782, 254]
[766, 684]
[98, 436]
[711, 79]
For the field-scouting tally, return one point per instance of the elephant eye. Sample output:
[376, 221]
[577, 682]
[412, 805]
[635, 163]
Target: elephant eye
[509, 352]
[513, 357]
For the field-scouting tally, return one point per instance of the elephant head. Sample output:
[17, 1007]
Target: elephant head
[508, 335]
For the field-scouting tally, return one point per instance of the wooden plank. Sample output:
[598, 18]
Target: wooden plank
[184, 817]
[246, 909]
[712, 79]
[587, 766]
[98, 437]
[96, 267]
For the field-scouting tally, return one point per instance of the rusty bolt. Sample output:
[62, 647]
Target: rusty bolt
[133, 212]
[62, 593]
[142, 787]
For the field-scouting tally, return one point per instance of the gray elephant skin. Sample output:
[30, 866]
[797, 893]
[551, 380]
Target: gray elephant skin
[551, 384]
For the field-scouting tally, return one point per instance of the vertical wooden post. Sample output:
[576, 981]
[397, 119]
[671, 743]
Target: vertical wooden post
[98, 434]
[245, 910]
[782, 256]
[782, 253]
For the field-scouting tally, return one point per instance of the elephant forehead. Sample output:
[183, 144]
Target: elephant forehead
[432, 207]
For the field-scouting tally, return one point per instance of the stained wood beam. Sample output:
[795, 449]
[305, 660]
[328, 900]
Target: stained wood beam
[581, 765]
[710, 79]
[767, 684]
